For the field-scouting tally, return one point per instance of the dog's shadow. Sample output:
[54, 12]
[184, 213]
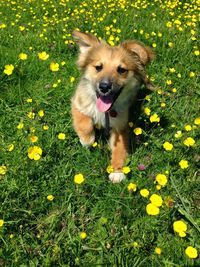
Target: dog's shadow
[135, 117]
[134, 114]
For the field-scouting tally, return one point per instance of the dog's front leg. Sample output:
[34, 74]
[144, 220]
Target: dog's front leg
[119, 147]
[83, 126]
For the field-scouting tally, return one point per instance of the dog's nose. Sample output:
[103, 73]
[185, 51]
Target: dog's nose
[105, 86]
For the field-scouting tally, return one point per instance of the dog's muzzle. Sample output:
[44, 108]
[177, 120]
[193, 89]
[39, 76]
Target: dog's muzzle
[105, 86]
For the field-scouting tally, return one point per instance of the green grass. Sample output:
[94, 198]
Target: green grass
[39, 232]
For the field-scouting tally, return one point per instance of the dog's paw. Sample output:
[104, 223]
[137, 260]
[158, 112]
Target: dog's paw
[87, 142]
[116, 177]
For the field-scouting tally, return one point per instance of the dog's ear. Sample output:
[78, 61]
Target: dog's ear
[144, 53]
[85, 41]
[142, 56]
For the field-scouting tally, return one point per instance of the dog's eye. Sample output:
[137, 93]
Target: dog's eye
[121, 70]
[99, 68]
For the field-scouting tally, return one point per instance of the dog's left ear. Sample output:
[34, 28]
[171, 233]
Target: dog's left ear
[144, 53]
[85, 41]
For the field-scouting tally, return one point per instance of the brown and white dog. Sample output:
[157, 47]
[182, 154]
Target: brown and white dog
[109, 84]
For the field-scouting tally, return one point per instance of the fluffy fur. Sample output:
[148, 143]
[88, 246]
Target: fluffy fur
[111, 77]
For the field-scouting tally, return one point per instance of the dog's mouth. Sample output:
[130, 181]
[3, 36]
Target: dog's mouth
[105, 102]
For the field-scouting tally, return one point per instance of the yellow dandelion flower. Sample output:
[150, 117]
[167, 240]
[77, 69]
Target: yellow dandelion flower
[8, 69]
[183, 164]
[158, 251]
[135, 244]
[180, 227]
[172, 70]
[188, 127]
[20, 125]
[163, 105]
[33, 138]
[109, 169]
[50, 197]
[197, 121]
[55, 85]
[43, 55]
[197, 52]
[1, 222]
[191, 252]
[148, 97]
[31, 115]
[79, 178]
[192, 74]
[83, 235]
[161, 179]
[147, 111]
[168, 82]
[126, 169]
[11, 236]
[156, 200]
[10, 147]
[160, 92]
[169, 24]
[72, 79]
[189, 141]
[21, 28]
[3, 170]
[152, 209]
[132, 187]
[144, 192]
[178, 134]
[34, 152]
[23, 56]
[167, 146]
[154, 118]
[45, 127]
[41, 113]
[137, 131]
[3, 25]
[94, 144]
[61, 136]
[158, 187]
[29, 100]
[54, 66]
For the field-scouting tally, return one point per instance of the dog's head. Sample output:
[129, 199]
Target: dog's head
[110, 69]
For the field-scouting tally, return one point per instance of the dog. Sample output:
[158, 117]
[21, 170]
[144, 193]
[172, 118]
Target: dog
[111, 78]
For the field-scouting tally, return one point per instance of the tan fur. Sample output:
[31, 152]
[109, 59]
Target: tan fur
[131, 56]
[119, 146]
[84, 127]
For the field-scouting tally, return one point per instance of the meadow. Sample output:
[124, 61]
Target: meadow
[57, 205]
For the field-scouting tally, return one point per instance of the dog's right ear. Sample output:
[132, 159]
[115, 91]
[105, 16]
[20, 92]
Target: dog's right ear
[85, 41]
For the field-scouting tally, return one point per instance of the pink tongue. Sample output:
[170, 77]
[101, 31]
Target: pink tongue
[102, 105]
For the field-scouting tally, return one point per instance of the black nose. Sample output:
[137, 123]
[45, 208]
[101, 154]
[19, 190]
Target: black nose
[105, 86]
